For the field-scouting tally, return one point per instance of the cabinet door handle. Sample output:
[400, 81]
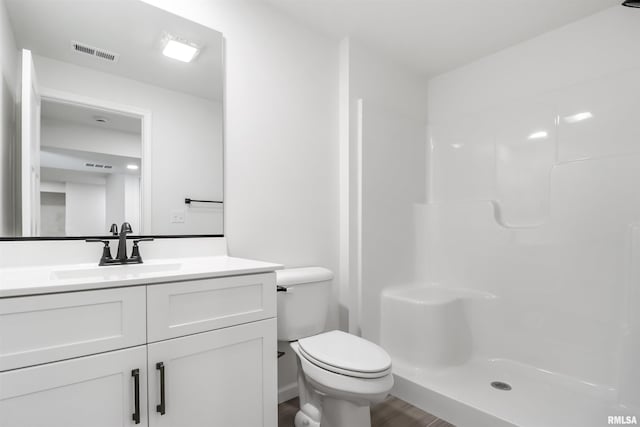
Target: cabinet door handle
[136, 395]
[162, 406]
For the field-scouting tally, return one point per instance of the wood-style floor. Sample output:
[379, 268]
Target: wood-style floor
[393, 412]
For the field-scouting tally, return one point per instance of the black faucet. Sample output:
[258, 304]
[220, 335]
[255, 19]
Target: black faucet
[121, 257]
[125, 229]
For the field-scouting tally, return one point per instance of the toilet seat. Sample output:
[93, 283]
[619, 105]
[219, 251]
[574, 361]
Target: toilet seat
[346, 354]
[342, 386]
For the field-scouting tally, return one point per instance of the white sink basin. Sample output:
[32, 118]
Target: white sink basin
[114, 271]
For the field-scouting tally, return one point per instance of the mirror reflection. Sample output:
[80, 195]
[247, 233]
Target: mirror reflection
[89, 169]
[119, 117]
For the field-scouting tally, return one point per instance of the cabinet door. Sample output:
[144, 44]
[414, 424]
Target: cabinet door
[222, 378]
[96, 391]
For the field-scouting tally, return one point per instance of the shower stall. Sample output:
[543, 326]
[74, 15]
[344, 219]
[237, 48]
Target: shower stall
[506, 283]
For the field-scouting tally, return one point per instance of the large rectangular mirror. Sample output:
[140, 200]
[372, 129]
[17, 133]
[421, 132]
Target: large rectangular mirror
[118, 117]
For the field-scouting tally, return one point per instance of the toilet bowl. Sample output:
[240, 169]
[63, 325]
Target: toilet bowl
[339, 375]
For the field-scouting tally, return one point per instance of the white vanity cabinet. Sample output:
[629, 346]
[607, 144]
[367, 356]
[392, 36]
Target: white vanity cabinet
[190, 353]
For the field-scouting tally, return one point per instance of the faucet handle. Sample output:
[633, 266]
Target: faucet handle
[106, 250]
[106, 242]
[143, 239]
[135, 252]
[114, 229]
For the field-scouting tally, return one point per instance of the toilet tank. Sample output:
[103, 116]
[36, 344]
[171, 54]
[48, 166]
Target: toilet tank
[303, 308]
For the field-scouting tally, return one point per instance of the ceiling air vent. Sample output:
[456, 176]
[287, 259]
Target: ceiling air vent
[96, 52]
[98, 165]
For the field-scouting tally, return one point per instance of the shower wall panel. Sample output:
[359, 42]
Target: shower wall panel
[534, 197]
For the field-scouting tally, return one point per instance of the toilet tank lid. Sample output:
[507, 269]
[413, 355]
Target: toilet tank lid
[295, 276]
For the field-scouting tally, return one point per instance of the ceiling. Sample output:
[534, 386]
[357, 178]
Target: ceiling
[435, 36]
[130, 28]
[75, 160]
[57, 160]
[87, 116]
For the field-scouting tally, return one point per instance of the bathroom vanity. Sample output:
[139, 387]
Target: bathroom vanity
[113, 129]
[172, 342]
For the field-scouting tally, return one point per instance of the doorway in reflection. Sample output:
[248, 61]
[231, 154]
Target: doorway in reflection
[90, 169]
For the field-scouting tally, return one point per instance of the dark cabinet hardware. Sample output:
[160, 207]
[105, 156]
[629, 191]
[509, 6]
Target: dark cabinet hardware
[281, 289]
[162, 406]
[136, 395]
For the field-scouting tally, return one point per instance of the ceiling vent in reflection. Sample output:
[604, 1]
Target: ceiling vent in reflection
[98, 165]
[96, 52]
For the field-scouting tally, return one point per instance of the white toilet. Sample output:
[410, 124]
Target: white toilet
[339, 375]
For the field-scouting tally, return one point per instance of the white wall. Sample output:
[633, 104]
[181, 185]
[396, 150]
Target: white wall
[52, 213]
[387, 138]
[9, 68]
[114, 193]
[546, 225]
[385, 82]
[123, 200]
[132, 200]
[66, 175]
[281, 158]
[85, 209]
[51, 187]
[186, 137]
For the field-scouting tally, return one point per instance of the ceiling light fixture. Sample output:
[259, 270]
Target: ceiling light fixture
[180, 49]
[539, 135]
[132, 167]
[578, 117]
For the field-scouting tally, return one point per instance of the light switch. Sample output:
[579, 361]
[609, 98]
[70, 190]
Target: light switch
[177, 216]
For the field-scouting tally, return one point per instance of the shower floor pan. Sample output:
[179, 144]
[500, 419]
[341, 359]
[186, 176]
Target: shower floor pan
[463, 395]
[435, 369]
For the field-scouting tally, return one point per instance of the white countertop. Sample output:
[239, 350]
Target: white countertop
[78, 277]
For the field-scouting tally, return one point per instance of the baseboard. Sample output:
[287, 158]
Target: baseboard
[287, 392]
